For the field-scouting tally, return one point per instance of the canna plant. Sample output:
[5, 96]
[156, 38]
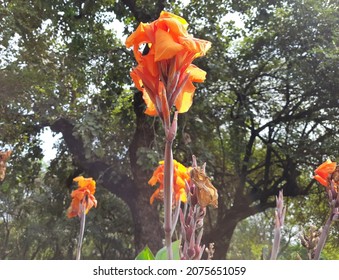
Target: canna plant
[164, 51]
[327, 174]
[82, 201]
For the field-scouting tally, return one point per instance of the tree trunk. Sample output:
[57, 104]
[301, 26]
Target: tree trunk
[134, 191]
[145, 216]
[222, 234]
[221, 239]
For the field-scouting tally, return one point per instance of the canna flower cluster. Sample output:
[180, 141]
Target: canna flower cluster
[165, 73]
[180, 175]
[82, 197]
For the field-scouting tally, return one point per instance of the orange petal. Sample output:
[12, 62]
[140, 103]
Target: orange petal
[323, 174]
[169, 16]
[180, 167]
[137, 81]
[196, 74]
[91, 201]
[154, 195]
[180, 182]
[148, 63]
[139, 36]
[78, 194]
[321, 180]
[157, 175]
[150, 110]
[183, 195]
[153, 180]
[88, 183]
[148, 81]
[327, 167]
[74, 209]
[78, 179]
[185, 98]
[165, 46]
[173, 26]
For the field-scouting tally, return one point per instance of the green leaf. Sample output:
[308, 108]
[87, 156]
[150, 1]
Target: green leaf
[145, 254]
[162, 253]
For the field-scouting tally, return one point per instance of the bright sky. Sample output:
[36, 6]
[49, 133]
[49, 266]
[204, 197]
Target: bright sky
[48, 141]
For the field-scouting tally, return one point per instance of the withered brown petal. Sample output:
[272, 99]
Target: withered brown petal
[207, 194]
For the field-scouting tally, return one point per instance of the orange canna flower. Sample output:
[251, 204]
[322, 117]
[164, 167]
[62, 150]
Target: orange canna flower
[324, 171]
[180, 174]
[4, 156]
[82, 196]
[165, 71]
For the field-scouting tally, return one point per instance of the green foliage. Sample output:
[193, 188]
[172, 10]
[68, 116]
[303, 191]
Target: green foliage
[263, 120]
[35, 226]
[146, 253]
[162, 253]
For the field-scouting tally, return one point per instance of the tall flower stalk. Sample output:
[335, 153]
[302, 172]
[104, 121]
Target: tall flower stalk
[82, 217]
[82, 201]
[164, 51]
[327, 174]
[333, 198]
[280, 213]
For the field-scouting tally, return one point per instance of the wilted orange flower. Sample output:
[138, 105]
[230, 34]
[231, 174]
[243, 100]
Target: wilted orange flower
[323, 172]
[164, 73]
[3, 158]
[180, 174]
[82, 196]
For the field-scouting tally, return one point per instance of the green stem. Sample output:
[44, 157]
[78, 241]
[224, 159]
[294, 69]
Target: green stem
[82, 230]
[323, 237]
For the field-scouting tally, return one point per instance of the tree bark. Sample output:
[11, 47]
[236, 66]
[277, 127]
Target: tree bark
[221, 239]
[222, 234]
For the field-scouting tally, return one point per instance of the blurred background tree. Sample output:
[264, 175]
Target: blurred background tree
[263, 120]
